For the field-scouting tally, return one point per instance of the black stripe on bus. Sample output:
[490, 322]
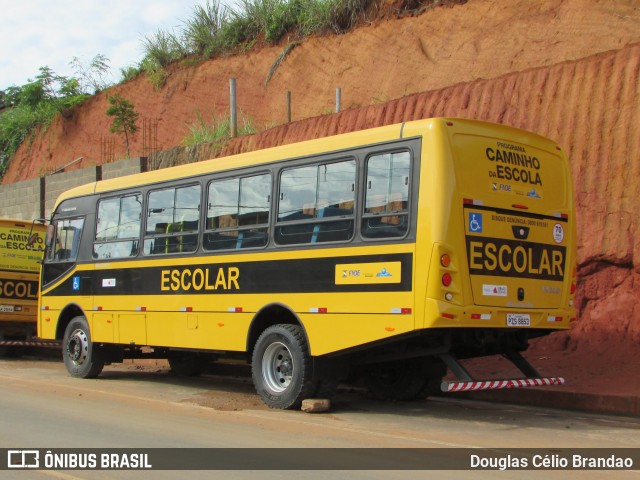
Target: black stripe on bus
[314, 275]
[517, 213]
[16, 289]
[502, 257]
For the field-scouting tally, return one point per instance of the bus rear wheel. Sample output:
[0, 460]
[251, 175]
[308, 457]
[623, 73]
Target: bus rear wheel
[81, 357]
[188, 364]
[403, 380]
[282, 368]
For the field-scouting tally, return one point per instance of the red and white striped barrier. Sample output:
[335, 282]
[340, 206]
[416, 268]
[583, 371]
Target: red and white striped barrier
[450, 387]
[29, 343]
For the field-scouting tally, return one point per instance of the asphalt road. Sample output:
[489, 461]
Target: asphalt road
[136, 407]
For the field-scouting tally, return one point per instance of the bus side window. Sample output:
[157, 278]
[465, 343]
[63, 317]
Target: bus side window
[67, 239]
[172, 220]
[118, 227]
[238, 213]
[317, 204]
[386, 203]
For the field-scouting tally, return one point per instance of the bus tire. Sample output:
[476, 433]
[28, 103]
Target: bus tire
[281, 367]
[397, 381]
[188, 364]
[81, 357]
[435, 370]
[7, 352]
[326, 388]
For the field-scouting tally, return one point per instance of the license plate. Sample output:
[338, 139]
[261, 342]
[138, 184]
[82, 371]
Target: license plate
[6, 308]
[518, 320]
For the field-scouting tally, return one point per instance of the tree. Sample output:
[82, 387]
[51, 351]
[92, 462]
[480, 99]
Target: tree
[124, 118]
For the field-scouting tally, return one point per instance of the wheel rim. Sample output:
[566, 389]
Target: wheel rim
[78, 347]
[277, 367]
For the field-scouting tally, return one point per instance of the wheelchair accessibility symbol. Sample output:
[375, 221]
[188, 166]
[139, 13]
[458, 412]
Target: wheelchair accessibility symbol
[475, 222]
[76, 284]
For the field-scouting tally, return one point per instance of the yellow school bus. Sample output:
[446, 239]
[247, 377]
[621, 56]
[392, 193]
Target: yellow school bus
[387, 254]
[20, 263]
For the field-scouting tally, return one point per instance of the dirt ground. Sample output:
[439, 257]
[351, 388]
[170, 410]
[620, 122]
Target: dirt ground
[585, 370]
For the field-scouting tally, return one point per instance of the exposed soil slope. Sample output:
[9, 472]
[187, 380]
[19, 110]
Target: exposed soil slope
[385, 60]
[568, 69]
[592, 107]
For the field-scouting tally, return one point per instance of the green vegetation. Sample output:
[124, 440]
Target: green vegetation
[124, 118]
[32, 106]
[91, 78]
[216, 29]
[217, 132]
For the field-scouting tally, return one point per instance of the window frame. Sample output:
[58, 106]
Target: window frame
[238, 241]
[314, 221]
[406, 214]
[76, 241]
[135, 240]
[167, 236]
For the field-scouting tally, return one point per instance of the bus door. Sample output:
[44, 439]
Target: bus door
[60, 265]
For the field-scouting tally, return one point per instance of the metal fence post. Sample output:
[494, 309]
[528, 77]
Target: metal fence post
[232, 107]
[288, 105]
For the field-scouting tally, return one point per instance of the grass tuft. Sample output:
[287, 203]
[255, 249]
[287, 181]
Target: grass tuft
[217, 132]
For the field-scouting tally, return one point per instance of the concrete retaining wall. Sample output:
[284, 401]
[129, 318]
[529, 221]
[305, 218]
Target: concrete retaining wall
[35, 198]
[124, 167]
[22, 200]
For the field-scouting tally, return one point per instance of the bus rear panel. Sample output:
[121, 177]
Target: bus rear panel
[506, 226]
[20, 263]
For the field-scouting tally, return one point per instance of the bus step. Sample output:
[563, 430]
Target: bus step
[468, 384]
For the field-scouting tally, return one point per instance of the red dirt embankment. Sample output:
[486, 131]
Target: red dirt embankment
[591, 107]
[565, 69]
[379, 62]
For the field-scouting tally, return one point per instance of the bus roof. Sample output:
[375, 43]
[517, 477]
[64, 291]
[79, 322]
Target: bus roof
[290, 151]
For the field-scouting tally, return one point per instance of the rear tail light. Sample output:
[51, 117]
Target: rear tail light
[445, 281]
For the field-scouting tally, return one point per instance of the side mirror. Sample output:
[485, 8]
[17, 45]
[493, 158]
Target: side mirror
[32, 239]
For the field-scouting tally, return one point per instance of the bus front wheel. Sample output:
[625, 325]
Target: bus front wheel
[282, 367]
[81, 357]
